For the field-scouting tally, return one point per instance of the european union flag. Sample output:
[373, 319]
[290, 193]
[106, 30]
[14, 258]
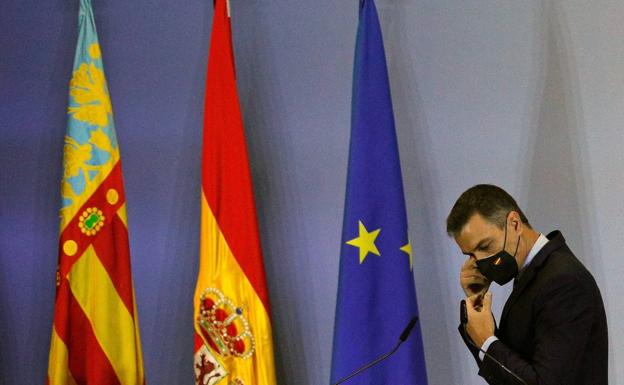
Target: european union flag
[376, 292]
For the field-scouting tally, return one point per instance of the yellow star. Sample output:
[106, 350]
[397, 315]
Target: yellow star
[408, 250]
[365, 241]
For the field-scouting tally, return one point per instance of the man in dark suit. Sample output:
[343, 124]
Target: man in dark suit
[553, 328]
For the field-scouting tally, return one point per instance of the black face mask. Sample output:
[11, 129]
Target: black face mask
[500, 267]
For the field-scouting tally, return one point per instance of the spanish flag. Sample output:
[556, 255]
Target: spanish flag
[95, 338]
[232, 316]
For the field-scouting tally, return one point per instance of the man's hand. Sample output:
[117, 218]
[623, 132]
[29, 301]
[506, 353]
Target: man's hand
[471, 279]
[480, 320]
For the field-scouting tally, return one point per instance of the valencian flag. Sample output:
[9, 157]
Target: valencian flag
[95, 338]
[376, 292]
[233, 338]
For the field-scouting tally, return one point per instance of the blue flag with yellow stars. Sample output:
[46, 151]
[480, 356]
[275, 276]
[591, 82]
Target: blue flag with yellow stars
[376, 292]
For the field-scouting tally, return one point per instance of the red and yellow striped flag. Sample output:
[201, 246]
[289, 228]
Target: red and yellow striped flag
[232, 322]
[95, 338]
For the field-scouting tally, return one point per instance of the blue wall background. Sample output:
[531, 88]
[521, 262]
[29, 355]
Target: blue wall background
[527, 95]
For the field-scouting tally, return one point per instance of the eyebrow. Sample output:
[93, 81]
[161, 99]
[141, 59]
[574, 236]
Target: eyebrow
[479, 245]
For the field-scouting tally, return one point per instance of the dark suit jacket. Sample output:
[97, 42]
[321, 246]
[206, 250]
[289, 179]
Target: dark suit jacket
[553, 329]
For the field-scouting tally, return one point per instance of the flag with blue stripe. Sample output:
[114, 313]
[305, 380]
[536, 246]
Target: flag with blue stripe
[376, 293]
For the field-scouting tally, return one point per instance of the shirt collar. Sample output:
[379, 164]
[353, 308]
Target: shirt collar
[537, 246]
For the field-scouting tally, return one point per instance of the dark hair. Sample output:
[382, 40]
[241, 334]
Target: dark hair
[491, 202]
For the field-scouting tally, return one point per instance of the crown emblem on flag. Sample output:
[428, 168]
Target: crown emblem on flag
[223, 326]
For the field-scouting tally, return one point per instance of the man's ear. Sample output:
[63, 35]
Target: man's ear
[516, 222]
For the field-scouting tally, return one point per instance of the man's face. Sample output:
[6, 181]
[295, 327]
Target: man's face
[480, 238]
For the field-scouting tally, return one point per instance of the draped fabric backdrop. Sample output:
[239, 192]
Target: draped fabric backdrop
[528, 95]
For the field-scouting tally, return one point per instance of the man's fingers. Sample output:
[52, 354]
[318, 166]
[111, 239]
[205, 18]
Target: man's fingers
[469, 268]
[472, 300]
[487, 301]
[470, 276]
[475, 301]
[470, 310]
[469, 262]
[471, 280]
[469, 265]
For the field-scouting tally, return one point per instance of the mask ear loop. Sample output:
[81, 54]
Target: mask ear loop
[517, 245]
[505, 239]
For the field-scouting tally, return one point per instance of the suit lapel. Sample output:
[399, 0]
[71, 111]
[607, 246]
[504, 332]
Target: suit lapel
[555, 241]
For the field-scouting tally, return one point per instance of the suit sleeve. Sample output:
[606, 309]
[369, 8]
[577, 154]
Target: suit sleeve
[564, 315]
[466, 338]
